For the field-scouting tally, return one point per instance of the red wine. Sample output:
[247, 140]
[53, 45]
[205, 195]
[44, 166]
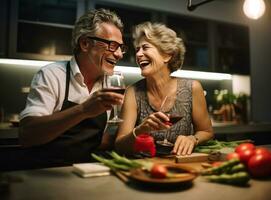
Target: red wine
[174, 118]
[117, 90]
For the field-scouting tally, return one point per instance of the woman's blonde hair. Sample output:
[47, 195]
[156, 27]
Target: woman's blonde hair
[165, 39]
[89, 23]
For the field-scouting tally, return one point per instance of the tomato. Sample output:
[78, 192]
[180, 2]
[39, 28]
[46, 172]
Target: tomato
[245, 155]
[159, 171]
[232, 156]
[244, 146]
[217, 163]
[262, 150]
[259, 165]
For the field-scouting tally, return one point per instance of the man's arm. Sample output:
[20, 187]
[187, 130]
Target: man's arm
[43, 129]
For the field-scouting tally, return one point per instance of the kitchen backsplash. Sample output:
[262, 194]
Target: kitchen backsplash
[16, 79]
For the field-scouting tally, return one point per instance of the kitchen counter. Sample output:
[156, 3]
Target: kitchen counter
[260, 133]
[62, 183]
[8, 135]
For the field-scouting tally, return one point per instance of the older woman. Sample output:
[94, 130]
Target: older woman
[159, 52]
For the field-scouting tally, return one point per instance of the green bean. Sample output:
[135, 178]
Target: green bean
[239, 178]
[223, 168]
[123, 160]
[237, 168]
[217, 146]
[199, 150]
[110, 163]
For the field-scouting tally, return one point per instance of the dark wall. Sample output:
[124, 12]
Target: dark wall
[3, 27]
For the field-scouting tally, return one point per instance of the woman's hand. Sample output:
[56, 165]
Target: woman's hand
[184, 145]
[155, 121]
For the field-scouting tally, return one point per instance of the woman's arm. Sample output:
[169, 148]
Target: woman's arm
[125, 138]
[201, 123]
[200, 116]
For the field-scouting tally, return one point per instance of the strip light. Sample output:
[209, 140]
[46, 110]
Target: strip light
[202, 75]
[130, 70]
[35, 63]
[182, 73]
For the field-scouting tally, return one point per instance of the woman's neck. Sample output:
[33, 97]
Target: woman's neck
[160, 87]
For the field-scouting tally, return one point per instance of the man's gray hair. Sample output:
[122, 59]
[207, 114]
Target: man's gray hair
[89, 24]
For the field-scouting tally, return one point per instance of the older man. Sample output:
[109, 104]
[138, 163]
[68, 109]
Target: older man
[65, 115]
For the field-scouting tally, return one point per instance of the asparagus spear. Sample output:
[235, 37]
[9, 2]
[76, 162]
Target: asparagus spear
[239, 178]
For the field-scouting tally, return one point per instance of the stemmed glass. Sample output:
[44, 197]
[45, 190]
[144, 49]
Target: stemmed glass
[114, 83]
[168, 108]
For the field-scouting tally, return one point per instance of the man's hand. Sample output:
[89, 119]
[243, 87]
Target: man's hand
[101, 101]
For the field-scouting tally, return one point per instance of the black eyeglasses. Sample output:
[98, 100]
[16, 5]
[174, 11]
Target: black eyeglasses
[112, 45]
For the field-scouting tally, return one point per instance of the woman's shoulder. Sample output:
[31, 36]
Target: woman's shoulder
[185, 83]
[140, 85]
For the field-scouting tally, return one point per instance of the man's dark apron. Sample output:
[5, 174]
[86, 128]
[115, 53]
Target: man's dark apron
[76, 144]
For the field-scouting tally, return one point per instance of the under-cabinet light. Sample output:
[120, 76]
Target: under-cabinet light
[202, 75]
[131, 70]
[37, 63]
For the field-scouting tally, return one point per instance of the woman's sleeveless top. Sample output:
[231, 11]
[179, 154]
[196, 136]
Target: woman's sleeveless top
[184, 107]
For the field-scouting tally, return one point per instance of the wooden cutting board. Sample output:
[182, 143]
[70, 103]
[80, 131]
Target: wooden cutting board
[204, 157]
[194, 157]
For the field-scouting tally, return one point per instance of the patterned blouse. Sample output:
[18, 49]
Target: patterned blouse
[184, 107]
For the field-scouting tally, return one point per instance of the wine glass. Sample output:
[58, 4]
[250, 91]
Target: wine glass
[114, 83]
[168, 108]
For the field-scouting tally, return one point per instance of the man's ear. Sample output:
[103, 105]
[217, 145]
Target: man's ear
[83, 44]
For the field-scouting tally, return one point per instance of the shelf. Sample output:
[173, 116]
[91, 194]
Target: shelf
[46, 24]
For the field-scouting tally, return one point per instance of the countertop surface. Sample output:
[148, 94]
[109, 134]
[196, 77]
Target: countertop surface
[232, 128]
[259, 132]
[62, 183]
[9, 131]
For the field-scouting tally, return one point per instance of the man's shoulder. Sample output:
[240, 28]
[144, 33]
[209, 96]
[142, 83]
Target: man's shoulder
[54, 67]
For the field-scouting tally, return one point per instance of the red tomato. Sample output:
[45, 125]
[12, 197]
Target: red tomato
[259, 165]
[244, 146]
[245, 155]
[159, 171]
[217, 163]
[232, 156]
[262, 150]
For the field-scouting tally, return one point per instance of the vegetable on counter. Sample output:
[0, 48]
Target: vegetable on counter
[239, 178]
[155, 170]
[229, 172]
[215, 145]
[122, 163]
[256, 159]
[159, 171]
